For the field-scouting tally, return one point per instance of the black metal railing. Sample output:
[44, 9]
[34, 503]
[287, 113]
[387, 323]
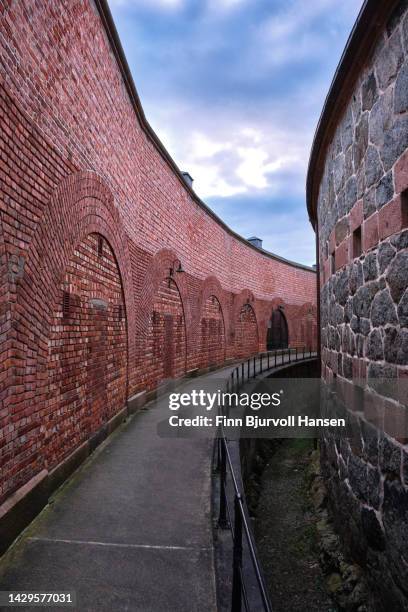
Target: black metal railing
[263, 362]
[236, 520]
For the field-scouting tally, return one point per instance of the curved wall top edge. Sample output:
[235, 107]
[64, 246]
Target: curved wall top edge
[366, 30]
[114, 40]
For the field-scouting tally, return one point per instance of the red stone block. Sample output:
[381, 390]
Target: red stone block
[392, 218]
[342, 254]
[370, 232]
[374, 409]
[403, 386]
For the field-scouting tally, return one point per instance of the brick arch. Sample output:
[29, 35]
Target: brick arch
[87, 365]
[81, 205]
[245, 322]
[152, 363]
[291, 313]
[158, 269]
[212, 287]
[245, 296]
[212, 345]
[278, 334]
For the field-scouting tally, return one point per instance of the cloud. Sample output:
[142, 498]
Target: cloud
[150, 4]
[220, 6]
[234, 89]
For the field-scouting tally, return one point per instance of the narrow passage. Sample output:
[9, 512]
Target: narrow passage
[284, 532]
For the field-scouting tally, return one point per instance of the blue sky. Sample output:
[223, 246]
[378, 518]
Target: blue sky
[234, 89]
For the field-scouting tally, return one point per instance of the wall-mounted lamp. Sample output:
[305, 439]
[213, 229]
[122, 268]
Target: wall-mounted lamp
[175, 270]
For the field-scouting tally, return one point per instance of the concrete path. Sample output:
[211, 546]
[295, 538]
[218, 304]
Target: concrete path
[131, 530]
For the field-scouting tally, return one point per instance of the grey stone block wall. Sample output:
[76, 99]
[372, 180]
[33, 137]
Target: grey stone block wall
[364, 321]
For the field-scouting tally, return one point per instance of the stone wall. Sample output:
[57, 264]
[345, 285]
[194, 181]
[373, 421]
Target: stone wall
[79, 163]
[362, 214]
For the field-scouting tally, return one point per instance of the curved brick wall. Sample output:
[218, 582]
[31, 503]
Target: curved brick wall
[79, 162]
[358, 181]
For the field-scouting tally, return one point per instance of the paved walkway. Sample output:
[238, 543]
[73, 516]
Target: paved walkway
[131, 530]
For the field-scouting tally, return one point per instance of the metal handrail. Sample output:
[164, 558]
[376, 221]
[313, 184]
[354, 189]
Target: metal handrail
[240, 524]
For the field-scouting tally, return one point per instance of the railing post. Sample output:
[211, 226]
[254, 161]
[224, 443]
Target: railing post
[242, 372]
[289, 353]
[222, 519]
[254, 367]
[296, 356]
[275, 357]
[237, 558]
[248, 369]
[268, 353]
[261, 363]
[218, 464]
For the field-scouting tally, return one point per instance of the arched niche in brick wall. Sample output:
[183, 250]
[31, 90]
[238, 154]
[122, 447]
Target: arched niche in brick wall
[163, 317]
[87, 350]
[278, 330]
[293, 315]
[165, 349]
[212, 298]
[246, 332]
[212, 333]
[81, 205]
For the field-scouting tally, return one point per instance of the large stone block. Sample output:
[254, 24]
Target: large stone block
[401, 90]
[385, 254]
[397, 275]
[369, 92]
[389, 60]
[383, 309]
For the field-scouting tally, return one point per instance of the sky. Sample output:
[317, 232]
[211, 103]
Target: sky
[234, 90]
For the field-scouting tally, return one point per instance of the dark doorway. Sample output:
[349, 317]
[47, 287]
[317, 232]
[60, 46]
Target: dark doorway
[277, 337]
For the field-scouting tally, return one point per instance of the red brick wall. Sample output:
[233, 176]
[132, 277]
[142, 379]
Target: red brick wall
[76, 161]
[212, 349]
[246, 332]
[87, 359]
[165, 349]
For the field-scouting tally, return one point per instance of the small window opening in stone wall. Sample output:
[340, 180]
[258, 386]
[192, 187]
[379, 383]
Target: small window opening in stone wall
[404, 209]
[66, 302]
[357, 242]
